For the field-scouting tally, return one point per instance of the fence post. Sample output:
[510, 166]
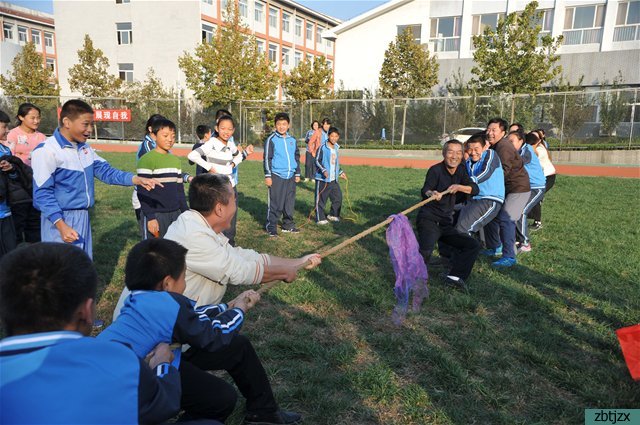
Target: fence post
[393, 122]
[564, 106]
[633, 114]
[444, 121]
[179, 115]
[346, 120]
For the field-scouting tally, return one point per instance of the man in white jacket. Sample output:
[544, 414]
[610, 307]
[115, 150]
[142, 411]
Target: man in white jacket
[212, 263]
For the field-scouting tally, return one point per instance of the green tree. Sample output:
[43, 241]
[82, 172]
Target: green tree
[309, 80]
[29, 76]
[569, 108]
[90, 76]
[515, 58]
[613, 106]
[229, 68]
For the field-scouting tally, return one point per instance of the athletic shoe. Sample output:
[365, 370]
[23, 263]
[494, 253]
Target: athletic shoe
[333, 218]
[492, 252]
[504, 262]
[279, 417]
[455, 284]
[537, 225]
[272, 234]
[322, 222]
[524, 248]
[292, 230]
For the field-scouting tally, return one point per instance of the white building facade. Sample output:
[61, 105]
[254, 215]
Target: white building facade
[600, 37]
[137, 35]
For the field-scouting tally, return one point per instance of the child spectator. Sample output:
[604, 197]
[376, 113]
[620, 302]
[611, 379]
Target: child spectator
[7, 228]
[312, 140]
[222, 157]
[536, 139]
[536, 181]
[47, 306]
[327, 186]
[24, 138]
[64, 168]
[162, 205]
[204, 135]
[156, 311]
[281, 173]
[326, 125]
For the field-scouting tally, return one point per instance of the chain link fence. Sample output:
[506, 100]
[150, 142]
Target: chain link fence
[610, 117]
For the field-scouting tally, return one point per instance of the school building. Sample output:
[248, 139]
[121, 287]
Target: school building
[138, 35]
[20, 26]
[600, 37]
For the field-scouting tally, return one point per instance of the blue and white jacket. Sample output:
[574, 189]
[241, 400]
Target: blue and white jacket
[147, 145]
[533, 167]
[63, 175]
[324, 163]
[488, 174]
[281, 156]
[64, 377]
[151, 317]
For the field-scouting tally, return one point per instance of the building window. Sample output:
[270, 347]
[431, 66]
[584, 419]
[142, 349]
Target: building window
[244, 8]
[310, 31]
[223, 5]
[207, 33]
[482, 22]
[207, 1]
[297, 58]
[285, 22]
[298, 27]
[7, 30]
[319, 30]
[329, 44]
[285, 56]
[416, 31]
[260, 44]
[627, 22]
[330, 64]
[22, 35]
[51, 64]
[258, 12]
[35, 37]
[583, 24]
[445, 34]
[273, 18]
[126, 71]
[122, 1]
[48, 39]
[125, 33]
[273, 53]
[309, 57]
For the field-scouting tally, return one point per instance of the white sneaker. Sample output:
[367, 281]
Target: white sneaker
[322, 222]
[333, 218]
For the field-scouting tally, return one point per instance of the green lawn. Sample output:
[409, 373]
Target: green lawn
[534, 344]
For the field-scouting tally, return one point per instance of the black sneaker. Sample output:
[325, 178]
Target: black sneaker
[537, 225]
[455, 284]
[292, 230]
[278, 417]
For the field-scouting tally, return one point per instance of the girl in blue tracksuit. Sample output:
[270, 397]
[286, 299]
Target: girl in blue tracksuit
[327, 186]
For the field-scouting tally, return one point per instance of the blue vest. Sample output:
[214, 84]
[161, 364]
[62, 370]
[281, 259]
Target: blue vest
[66, 378]
[537, 180]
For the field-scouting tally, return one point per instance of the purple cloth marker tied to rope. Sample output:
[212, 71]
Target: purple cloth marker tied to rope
[409, 267]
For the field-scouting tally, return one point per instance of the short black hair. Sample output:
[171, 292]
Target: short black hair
[314, 122]
[226, 118]
[201, 130]
[151, 260]
[153, 118]
[222, 112]
[518, 126]
[479, 137]
[532, 138]
[519, 134]
[502, 123]
[207, 190]
[333, 130]
[73, 108]
[449, 143]
[42, 285]
[161, 123]
[4, 117]
[326, 121]
[281, 116]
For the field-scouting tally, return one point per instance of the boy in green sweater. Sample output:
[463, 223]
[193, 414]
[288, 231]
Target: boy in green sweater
[161, 206]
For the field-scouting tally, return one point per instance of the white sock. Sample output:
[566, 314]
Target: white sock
[456, 278]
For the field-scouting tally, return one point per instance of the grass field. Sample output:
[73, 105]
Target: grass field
[534, 344]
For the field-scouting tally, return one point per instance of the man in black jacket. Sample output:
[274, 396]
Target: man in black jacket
[435, 219]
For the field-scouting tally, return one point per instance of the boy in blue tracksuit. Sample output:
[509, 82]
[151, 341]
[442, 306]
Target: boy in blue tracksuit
[485, 169]
[156, 311]
[327, 173]
[64, 167]
[281, 173]
[47, 293]
[537, 181]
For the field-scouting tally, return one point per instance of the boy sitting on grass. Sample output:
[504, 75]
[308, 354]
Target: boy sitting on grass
[156, 311]
[162, 205]
[327, 186]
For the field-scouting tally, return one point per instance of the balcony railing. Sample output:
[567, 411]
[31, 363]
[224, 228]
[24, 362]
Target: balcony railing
[446, 44]
[626, 33]
[582, 36]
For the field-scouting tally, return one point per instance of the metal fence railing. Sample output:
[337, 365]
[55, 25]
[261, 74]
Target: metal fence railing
[598, 116]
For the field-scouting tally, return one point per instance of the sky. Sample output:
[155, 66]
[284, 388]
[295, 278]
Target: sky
[341, 9]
